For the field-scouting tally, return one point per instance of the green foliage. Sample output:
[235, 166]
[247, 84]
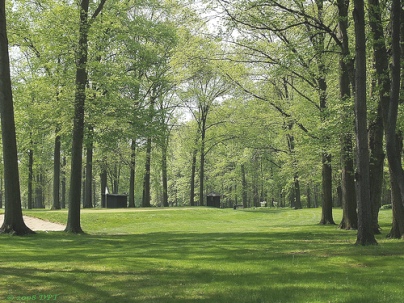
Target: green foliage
[207, 255]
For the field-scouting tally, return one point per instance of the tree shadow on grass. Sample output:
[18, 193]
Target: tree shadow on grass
[200, 267]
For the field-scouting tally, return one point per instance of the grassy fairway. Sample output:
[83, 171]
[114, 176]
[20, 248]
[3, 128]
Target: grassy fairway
[201, 255]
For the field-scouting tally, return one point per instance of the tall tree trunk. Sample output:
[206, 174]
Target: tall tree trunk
[146, 180]
[1, 191]
[56, 173]
[104, 183]
[382, 75]
[244, 186]
[88, 203]
[83, 186]
[326, 215]
[365, 229]
[30, 177]
[348, 196]
[63, 184]
[386, 100]
[192, 183]
[393, 141]
[164, 175]
[202, 166]
[115, 178]
[73, 220]
[318, 44]
[13, 219]
[376, 167]
[39, 186]
[349, 214]
[298, 201]
[132, 174]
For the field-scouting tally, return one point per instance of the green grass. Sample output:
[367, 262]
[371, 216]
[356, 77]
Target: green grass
[201, 255]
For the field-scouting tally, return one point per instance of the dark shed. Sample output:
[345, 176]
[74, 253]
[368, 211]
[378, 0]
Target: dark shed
[114, 201]
[213, 200]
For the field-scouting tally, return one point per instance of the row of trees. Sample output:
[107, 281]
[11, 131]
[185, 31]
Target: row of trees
[257, 100]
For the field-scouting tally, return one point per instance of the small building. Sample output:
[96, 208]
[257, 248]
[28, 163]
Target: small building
[114, 201]
[213, 200]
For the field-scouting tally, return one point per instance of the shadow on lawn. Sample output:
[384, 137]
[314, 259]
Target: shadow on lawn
[201, 267]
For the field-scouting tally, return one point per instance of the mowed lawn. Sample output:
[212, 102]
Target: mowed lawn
[200, 255]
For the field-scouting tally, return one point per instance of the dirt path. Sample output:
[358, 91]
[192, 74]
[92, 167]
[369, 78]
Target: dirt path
[39, 225]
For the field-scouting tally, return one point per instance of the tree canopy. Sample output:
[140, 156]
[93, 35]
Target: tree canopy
[168, 101]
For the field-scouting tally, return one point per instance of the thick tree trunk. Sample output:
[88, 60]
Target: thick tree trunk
[348, 196]
[349, 215]
[73, 220]
[397, 229]
[13, 219]
[56, 173]
[394, 142]
[132, 174]
[326, 216]
[1, 191]
[381, 63]
[146, 180]
[365, 229]
[376, 167]
[318, 44]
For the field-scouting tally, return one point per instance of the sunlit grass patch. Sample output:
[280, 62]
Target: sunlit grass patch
[202, 255]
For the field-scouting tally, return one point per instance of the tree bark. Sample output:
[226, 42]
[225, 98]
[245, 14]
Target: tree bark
[365, 230]
[164, 175]
[376, 167]
[308, 196]
[202, 163]
[104, 183]
[382, 75]
[318, 44]
[393, 141]
[39, 196]
[88, 201]
[192, 183]
[349, 216]
[146, 180]
[56, 173]
[63, 184]
[326, 215]
[13, 219]
[132, 174]
[244, 186]
[73, 220]
[30, 177]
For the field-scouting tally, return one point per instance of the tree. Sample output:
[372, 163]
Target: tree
[13, 219]
[73, 220]
[349, 215]
[365, 229]
[393, 146]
